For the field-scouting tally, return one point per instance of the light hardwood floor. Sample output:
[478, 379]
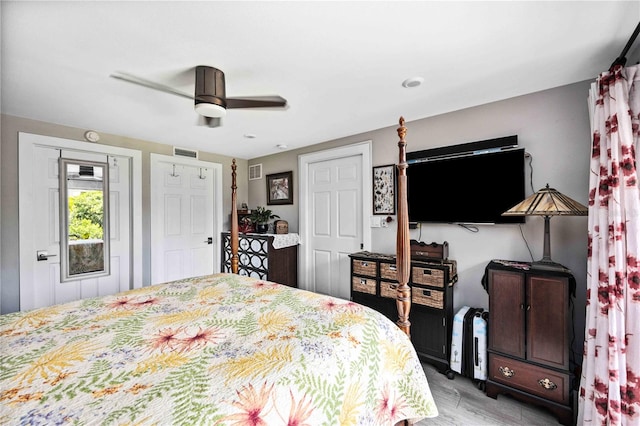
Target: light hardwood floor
[460, 402]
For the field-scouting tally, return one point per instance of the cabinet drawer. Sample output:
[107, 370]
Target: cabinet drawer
[539, 381]
[388, 271]
[427, 297]
[427, 276]
[388, 290]
[364, 285]
[364, 267]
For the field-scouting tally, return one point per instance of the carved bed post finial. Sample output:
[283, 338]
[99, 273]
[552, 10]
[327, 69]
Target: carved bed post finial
[402, 131]
[234, 219]
[403, 253]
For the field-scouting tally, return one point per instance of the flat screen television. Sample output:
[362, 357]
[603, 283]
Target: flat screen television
[474, 188]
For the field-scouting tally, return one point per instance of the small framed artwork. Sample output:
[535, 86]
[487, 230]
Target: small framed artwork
[280, 188]
[384, 189]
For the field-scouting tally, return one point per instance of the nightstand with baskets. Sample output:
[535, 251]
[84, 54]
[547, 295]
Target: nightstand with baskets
[373, 284]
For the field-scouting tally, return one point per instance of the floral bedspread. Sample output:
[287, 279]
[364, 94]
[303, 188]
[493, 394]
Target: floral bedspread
[216, 350]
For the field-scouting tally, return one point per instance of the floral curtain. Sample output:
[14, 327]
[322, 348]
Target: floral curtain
[610, 378]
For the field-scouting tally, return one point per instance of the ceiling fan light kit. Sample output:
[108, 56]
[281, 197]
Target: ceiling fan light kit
[210, 110]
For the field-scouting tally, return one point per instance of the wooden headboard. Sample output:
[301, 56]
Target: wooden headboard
[403, 253]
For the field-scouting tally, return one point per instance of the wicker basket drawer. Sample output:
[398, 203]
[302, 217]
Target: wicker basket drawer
[450, 264]
[539, 381]
[364, 267]
[364, 285]
[427, 276]
[453, 267]
[388, 289]
[388, 271]
[427, 297]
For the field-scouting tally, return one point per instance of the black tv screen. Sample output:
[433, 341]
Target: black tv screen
[474, 188]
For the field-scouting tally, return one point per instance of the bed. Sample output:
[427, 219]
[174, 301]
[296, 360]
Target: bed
[217, 350]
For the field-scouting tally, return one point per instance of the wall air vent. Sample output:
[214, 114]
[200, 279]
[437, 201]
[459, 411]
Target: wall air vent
[255, 171]
[183, 152]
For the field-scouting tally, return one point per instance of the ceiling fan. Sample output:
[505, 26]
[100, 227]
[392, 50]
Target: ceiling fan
[209, 97]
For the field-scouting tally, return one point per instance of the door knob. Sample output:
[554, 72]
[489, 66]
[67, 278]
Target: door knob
[209, 240]
[42, 255]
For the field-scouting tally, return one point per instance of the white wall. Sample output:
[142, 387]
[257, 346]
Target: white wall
[551, 125]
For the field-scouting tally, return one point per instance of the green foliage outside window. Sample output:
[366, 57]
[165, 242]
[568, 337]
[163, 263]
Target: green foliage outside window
[85, 216]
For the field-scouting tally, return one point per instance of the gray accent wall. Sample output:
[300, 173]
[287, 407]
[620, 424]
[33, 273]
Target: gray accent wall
[552, 125]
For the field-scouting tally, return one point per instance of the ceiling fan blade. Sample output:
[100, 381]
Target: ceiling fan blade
[149, 84]
[256, 102]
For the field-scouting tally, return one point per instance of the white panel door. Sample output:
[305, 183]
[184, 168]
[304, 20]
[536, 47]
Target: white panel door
[186, 219]
[335, 201]
[40, 279]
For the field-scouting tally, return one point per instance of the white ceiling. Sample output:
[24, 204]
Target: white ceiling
[340, 65]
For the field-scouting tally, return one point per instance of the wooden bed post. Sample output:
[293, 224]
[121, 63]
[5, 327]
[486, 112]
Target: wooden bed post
[403, 252]
[234, 220]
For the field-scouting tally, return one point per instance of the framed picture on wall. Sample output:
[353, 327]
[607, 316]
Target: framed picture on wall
[280, 188]
[384, 189]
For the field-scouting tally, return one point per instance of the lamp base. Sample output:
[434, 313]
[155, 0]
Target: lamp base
[549, 265]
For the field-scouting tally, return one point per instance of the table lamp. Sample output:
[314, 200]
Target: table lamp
[547, 202]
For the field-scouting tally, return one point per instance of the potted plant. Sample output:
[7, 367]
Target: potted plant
[260, 216]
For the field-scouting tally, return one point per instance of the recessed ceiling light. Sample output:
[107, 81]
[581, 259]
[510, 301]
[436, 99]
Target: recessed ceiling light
[412, 82]
[281, 146]
[250, 135]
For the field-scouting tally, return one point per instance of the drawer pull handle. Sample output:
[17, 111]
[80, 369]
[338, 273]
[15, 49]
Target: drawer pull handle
[426, 293]
[365, 264]
[426, 272]
[363, 281]
[547, 384]
[506, 371]
[393, 268]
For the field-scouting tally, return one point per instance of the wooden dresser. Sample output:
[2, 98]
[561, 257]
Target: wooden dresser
[530, 328]
[257, 257]
[373, 284]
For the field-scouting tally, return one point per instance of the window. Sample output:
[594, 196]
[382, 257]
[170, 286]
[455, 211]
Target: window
[84, 219]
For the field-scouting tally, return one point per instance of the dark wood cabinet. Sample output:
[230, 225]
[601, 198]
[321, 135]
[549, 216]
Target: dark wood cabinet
[258, 258]
[373, 284]
[529, 335]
